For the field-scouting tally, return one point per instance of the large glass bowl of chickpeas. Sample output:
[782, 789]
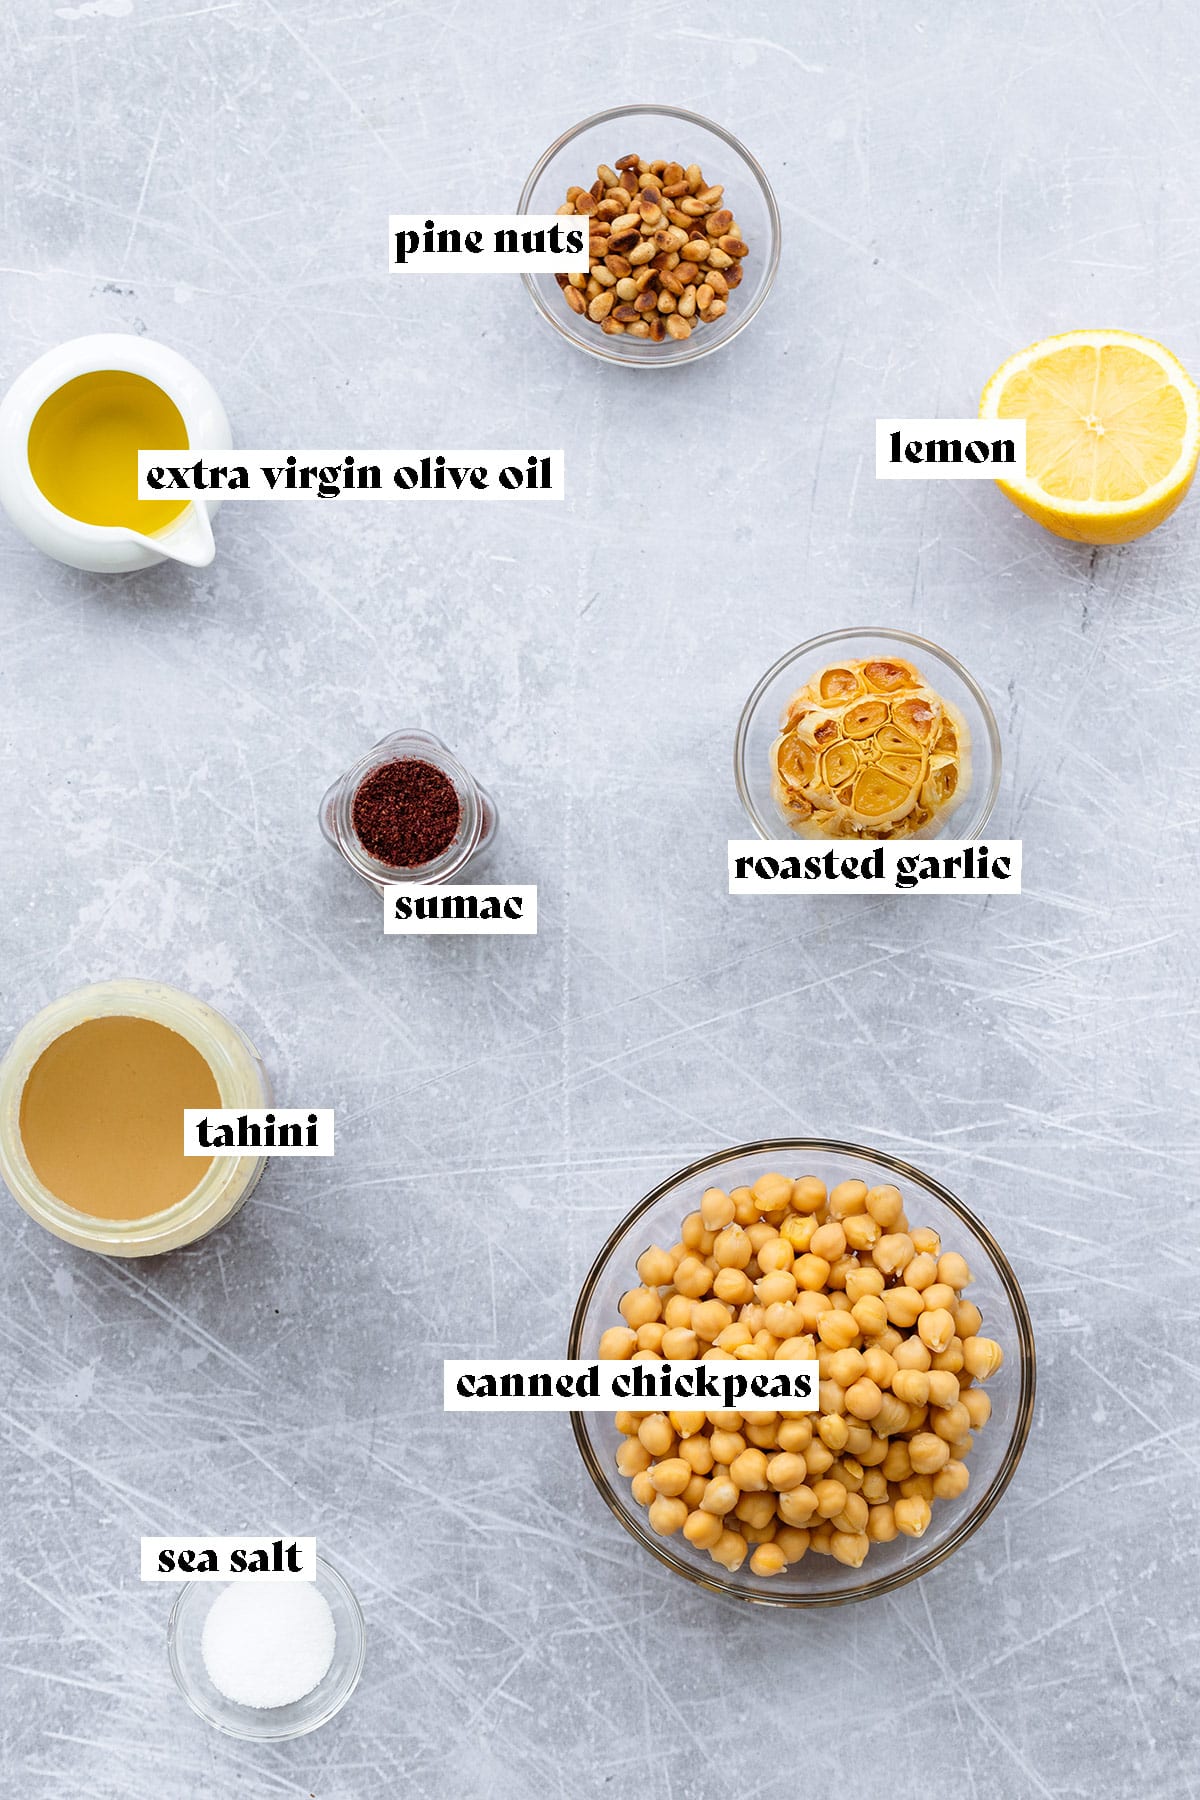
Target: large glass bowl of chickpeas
[834, 1253]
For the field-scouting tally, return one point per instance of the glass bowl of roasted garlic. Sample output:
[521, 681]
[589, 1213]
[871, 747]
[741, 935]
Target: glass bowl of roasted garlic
[805, 1248]
[867, 734]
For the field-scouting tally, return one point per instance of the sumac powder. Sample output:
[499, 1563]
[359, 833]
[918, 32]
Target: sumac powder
[405, 812]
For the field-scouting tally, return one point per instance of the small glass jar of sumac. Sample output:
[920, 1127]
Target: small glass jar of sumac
[408, 811]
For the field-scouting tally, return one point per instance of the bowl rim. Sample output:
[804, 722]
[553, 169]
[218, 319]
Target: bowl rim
[607, 348]
[974, 1518]
[915, 642]
[346, 1594]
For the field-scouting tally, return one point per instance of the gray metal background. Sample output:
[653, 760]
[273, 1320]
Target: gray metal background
[955, 180]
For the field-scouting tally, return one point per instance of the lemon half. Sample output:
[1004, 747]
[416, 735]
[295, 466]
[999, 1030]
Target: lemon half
[1112, 433]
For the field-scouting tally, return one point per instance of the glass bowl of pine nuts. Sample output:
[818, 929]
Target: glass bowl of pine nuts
[810, 1248]
[688, 263]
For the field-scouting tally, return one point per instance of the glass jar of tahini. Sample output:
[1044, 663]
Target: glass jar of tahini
[92, 1094]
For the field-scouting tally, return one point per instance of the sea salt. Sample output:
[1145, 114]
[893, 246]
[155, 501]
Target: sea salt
[268, 1644]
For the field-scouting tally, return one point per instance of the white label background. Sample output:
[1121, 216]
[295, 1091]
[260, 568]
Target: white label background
[896, 857]
[525, 926]
[491, 462]
[966, 431]
[611, 1375]
[224, 1547]
[257, 1115]
[488, 260]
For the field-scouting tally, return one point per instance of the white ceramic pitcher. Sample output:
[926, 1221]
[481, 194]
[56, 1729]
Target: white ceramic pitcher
[109, 549]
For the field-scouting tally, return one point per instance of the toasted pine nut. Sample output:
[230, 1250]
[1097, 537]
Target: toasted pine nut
[678, 328]
[600, 307]
[687, 304]
[608, 176]
[642, 252]
[704, 295]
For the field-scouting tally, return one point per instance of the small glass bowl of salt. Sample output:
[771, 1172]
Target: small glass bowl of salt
[264, 1659]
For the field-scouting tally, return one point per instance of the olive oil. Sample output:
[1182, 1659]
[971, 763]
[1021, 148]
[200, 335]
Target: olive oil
[83, 447]
[102, 1116]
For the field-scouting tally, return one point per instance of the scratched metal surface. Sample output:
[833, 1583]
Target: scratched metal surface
[955, 181]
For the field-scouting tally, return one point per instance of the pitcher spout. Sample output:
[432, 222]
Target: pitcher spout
[188, 539]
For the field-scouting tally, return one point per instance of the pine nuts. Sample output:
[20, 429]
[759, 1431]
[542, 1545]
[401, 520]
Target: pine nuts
[653, 227]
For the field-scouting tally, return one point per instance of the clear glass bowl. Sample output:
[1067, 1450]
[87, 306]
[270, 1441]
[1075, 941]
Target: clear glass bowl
[762, 715]
[263, 1724]
[818, 1580]
[477, 823]
[654, 131]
